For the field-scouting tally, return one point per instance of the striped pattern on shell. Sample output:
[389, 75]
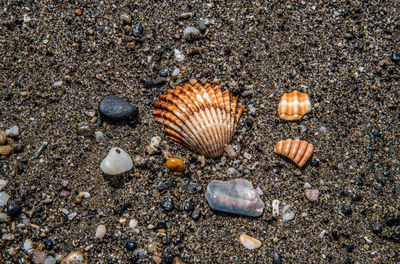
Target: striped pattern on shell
[202, 118]
[299, 151]
[294, 105]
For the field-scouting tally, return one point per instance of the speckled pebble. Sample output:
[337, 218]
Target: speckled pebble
[312, 194]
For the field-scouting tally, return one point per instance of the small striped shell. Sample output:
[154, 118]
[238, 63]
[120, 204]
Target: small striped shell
[294, 106]
[202, 118]
[299, 151]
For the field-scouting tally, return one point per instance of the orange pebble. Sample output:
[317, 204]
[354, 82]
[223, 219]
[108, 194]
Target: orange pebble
[5, 150]
[175, 164]
[78, 12]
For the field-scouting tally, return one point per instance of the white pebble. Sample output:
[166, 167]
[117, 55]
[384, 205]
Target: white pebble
[116, 162]
[288, 213]
[249, 242]
[98, 135]
[3, 198]
[72, 216]
[84, 195]
[12, 131]
[307, 185]
[233, 171]
[260, 192]
[312, 194]
[175, 72]
[275, 208]
[58, 83]
[247, 156]
[100, 231]
[27, 245]
[3, 184]
[155, 141]
[49, 260]
[252, 109]
[322, 234]
[230, 151]
[133, 223]
[179, 55]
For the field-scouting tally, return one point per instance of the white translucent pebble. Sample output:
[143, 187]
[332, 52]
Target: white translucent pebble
[58, 83]
[307, 185]
[3, 184]
[98, 134]
[116, 162]
[275, 208]
[155, 141]
[12, 131]
[49, 260]
[322, 234]
[84, 195]
[100, 231]
[249, 242]
[175, 72]
[260, 192]
[27, 245]
[178, 55]
[3, 198]
[288, 213]
[133, 223]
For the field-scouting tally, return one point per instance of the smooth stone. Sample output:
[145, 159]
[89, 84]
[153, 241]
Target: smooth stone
[249, 242]
[3, 183]
[12, 131]
[191, 33]
[116, 109]
[275, 208]
[287, 213]
[3, 198]
[3, 137]
[116, 162]
[236, 196]
[50, 260]
[178, 56]
[75, 257]
[175, 165]
[5, 150]
[37, 256]
[101, 231]
[175, 72]
[203, 25]
[312, 194]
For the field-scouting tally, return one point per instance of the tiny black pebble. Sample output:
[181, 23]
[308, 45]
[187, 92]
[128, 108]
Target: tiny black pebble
[276, 259]
[167, 258]
[349, 248]
[137, 30]
[161, 225]
[196, 214]
[348, 261]
[165, 184]
[13, 208]
[188, 207]
[131, 245]
[346, 210]
[166, 240]
[8, 96]
[377, 228]
[48, 244]
[315, 163]
[20, 168]
[148, 83]
[168, 204]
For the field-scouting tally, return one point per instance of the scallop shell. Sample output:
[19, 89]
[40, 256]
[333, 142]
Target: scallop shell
[294, 106]
[299, 151]
[202, 118]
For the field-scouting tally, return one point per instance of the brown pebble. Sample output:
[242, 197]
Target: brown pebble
[3, 137]
[177, 260]
[78, 200]
[78, 12]
[5, 150]
[312, 194]
[175, 164]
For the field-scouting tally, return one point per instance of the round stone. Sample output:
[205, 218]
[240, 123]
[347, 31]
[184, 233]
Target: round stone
[131, 245]
[312, 194]
[377, 228]
[175, 164]
[191, 33]
[116, 109]
[346, 210]
[100, 231]
[13, 208]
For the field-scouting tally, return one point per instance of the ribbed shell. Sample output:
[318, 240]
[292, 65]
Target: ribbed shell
[294, 106]
[299, 151]
[202, 118]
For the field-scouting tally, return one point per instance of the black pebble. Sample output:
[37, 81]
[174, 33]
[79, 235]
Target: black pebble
[8, 96]
[346, 210]
[131, 245]
[196, 214]
[349, 248]
[20, 168]
[188, 207]
[13, 208]
[166, 240]
[116, 109]
[276, 259]
[165, 184]
[396, 57]
[168, 204]
[137, 30]
[193, 188]
[161, 225]
[377, 228]
[48, 244]
[315, 163]
[148, 83]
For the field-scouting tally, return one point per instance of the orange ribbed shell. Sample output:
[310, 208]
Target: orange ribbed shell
[294, 106]
[299, 151]
[202, 118]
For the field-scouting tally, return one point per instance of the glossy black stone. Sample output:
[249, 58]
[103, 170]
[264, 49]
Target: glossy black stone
[165, 184]
[346, 210]
[376, 228]
[131, 245]
[116, 109]
[13, 208]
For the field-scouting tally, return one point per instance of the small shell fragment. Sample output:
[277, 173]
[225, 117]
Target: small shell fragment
[116, 162]
[294, 105]
[249, 242]
[202, 118]
[299, 151]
